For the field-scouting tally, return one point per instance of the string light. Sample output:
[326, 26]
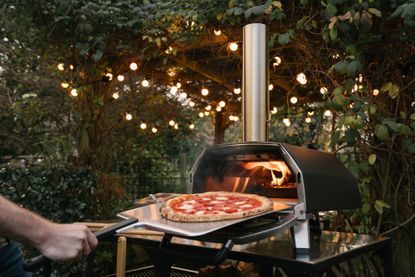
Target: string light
[192, 126]
[217, 32]
[179, 85]
[154, 130]
[233, 46]
[183, 96]
[64, 84]
[201, 114]
[375, 92]
[301, 78]
[286, 121]
[133, 66]
[274, 110]
[171, 72]
[120, 78]
[206, 113]
[308, 119]
[222, 104]
[277, 61]
[231, 118]
[171, 122]
[310, 113]
[115, 95]
[235, 118]
[61, 67]
[323, 90]
[74, 92]
[208, 107]
[71, 67]
[328, 113]
[237, 90]
[192, 104]
[128, 116]
[109, 76]
[176, 126]
[218, 109]
[293, 100]
[145, 83]
[270, 87]
[143, 126]
[205, 91]
[173, 90]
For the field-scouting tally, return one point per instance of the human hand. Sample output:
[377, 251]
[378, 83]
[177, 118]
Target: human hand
[67, 241]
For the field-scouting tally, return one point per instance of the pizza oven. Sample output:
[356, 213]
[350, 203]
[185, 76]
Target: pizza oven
[308, 180]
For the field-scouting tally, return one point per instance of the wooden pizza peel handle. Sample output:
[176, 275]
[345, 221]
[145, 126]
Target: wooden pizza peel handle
[41, 261]
[218, 258]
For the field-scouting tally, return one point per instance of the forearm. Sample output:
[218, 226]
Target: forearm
[21, 224]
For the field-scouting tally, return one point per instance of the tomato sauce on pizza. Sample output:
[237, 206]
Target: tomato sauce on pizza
[214, 206]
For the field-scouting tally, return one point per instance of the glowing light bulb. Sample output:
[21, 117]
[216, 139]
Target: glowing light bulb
[171, 122]
[176, 126]
[109, 76]
[218, 109]
[237, 90]
[205, 91]
[286, 121]
[183, 96]
[270, 87]
[61, 67]
[192, 126]
[206, 113]
[274, 110]
[208, 107]
[133, 66]
[143, 125]
[323, 90]
[128, 116]
[277, 61]
[74, 92]
[192, 104]
[64, 84]
[310, 113]
[115, 95]
[173, 90]
[308, 119]
[375, 92]
[154, 130]
[217, 32]
[293, 100]
[231, 118]
[71, 67]
[235, 118]
[145, 83]
[201, 114]
[301, 78]
[222, 104]
[233, 46]
[120, 78]
[328, 113]
[179, 85]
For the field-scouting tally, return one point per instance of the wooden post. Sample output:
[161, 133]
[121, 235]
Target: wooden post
[121, 256]
[220, 126]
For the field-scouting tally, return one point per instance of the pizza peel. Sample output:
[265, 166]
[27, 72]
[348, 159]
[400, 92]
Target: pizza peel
[149, 217]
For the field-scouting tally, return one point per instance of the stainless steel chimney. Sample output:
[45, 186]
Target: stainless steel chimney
[255, 97]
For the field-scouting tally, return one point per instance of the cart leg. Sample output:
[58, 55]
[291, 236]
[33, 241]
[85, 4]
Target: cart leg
[121, 256]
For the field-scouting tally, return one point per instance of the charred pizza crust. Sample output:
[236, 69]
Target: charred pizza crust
[168, 211]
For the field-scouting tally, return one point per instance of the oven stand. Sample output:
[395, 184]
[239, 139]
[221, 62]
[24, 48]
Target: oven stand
[300, 231]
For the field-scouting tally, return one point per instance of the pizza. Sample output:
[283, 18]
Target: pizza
[214, 206]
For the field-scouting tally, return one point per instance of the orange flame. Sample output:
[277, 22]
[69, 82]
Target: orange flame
[272, 165]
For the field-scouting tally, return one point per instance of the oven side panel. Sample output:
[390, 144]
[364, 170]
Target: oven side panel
[328, 185]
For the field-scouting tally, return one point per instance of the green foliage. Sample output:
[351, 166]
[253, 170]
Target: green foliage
[62, 195]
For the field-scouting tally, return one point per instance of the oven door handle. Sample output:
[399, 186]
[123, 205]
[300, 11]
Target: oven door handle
[169, 249]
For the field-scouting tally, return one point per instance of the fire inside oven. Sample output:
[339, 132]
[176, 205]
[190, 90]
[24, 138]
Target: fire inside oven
[260, 173]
